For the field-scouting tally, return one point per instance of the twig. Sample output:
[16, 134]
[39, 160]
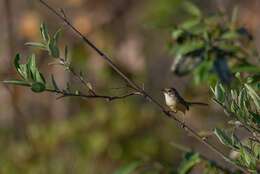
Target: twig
[64, 93]
[136, 87]
[67, 65]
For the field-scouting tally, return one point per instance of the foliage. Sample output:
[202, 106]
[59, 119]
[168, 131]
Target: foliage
[32, 77]
[242, 105]
[206, 46]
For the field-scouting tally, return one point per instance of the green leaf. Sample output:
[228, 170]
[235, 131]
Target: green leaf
[44, 32]
[189, 161]
[56, 36]
[24, 71]
[247, 156]
[220, 93]
[39, 77]
[189, 47]
[256, 118]
[16, 82]
[54, 84]
[16, 62]
[235, 141]
[246, 68]
[21, 68]
[253, 95]
[53, 45]
[32, 66]
[230, 35]
[228, 47]
[37, 45]
[53, 48]
[38, 87]
[192, 8]
[128, 169]
[189, 24]
[223, 137]
[177, 33]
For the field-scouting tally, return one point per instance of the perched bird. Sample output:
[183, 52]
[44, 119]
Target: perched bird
[176, 103]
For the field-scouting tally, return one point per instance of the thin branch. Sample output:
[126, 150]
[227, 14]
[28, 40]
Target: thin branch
[139, 89]
[65, 93]
[67, 65]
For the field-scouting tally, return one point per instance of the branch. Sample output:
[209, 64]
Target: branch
[140, 90]
[65, 93]
[67, 65]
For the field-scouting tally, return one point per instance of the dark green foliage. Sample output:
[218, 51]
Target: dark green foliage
[207, 45]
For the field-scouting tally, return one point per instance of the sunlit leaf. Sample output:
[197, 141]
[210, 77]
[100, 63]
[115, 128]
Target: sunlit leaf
[36, 45]
[32, 66]
[254, 95]
[44, 32]
[223, 137]
[39, 77]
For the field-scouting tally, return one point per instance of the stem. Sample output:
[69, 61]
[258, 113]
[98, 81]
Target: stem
[70, 94]
[140, 90]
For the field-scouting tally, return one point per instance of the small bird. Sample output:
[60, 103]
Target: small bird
[176, 103]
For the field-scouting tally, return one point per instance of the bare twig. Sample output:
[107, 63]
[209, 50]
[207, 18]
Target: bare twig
[139, 89]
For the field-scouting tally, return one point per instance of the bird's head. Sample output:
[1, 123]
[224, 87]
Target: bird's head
[169, 91]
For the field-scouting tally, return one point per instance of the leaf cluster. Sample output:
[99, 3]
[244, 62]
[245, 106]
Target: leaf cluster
[207, 44]
[242, 105]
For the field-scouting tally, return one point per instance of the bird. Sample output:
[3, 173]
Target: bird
[176, 103]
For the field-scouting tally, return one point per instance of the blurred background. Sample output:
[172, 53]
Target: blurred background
[39, 134]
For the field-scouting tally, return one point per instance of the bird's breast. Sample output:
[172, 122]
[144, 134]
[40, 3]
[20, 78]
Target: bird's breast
[170, 101]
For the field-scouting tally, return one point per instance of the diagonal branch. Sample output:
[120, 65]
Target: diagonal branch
[137, 88]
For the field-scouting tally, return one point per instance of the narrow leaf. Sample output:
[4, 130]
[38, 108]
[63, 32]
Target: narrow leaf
[32, 66]
[223, 137]
[254, 96]
[36, 45]
[16, 82]
[54, 84]
[44, 32]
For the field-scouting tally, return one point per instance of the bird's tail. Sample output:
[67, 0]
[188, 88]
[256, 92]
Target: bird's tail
[198, 103]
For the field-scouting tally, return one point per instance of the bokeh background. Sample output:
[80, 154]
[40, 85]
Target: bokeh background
[39, 134]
